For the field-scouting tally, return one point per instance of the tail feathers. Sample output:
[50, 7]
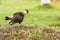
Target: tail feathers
[7, 18]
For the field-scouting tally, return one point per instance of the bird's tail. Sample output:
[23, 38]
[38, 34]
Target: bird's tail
[7, 18]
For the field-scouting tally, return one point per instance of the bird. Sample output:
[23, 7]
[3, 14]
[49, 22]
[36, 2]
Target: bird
[17, 17]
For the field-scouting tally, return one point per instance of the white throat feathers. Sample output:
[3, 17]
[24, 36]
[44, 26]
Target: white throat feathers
[25, 12]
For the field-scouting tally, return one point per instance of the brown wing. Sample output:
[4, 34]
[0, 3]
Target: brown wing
[16, 19]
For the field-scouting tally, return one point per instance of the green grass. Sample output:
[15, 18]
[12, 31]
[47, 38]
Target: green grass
[38, 15]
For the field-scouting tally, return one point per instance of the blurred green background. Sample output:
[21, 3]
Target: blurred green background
[38, 15]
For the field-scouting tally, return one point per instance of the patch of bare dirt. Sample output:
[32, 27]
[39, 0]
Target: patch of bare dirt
[29, 33]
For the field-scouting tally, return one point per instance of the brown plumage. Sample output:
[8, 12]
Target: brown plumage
[17, 17]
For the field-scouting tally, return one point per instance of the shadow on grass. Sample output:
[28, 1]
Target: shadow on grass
[45, 7]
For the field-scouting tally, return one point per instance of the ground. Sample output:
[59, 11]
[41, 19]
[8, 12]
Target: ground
[29, 33]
